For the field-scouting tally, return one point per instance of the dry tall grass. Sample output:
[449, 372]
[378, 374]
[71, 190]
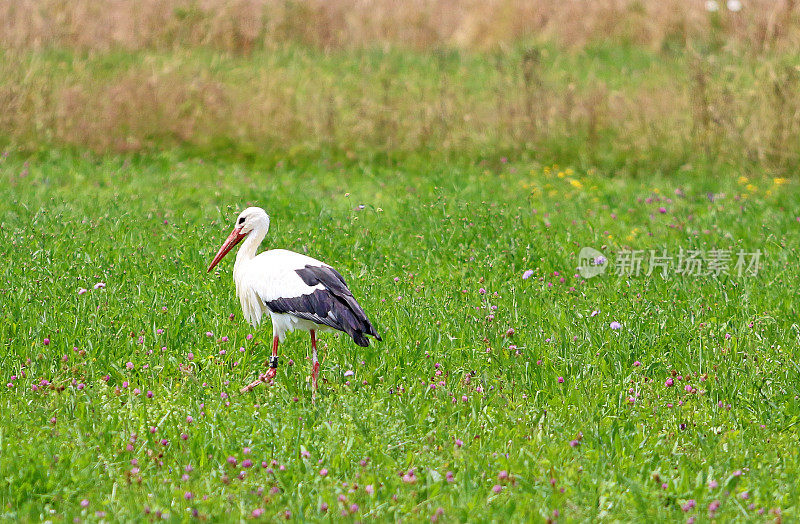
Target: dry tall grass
[245, 25]
[251, 75]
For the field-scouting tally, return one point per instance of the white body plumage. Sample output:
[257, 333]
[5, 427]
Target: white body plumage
[269, 276]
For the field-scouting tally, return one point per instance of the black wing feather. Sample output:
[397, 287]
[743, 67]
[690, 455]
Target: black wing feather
[333, 306]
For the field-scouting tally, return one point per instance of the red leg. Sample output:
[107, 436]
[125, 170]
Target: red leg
[314, 363]
[269, 376]
[273, 370]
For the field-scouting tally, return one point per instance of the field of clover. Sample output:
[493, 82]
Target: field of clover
[507, 386]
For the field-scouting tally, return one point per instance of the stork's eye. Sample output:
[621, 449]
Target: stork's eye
[241, 220]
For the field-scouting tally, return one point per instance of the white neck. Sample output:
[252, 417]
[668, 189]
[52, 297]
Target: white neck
[246, 253]
[250, 244]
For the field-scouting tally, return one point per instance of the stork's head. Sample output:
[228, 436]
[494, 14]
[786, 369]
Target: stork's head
[250, 220]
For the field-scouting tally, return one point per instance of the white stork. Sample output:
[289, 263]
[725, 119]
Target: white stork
[298, 292]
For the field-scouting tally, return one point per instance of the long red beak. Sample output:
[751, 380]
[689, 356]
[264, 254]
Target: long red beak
[234, 238]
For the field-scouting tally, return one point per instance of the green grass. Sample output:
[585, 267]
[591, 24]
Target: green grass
[430, 236]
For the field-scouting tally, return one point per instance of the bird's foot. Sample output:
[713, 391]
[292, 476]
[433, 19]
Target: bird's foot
[263, 378]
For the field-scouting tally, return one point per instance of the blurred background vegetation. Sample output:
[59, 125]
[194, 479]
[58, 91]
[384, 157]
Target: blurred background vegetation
[624, 86]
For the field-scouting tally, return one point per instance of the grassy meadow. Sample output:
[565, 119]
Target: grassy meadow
[451, 160]
[452, 416]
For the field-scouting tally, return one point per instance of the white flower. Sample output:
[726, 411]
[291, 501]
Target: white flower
[712, 6]
[100, 285]
[82, 291]
[734, 6]
[349, 373]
